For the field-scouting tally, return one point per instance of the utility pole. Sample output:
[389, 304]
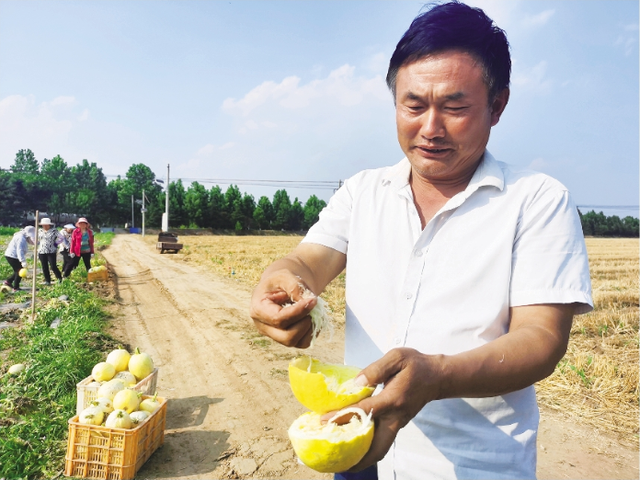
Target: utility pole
[165, 220]
[143, 210]
[133, 225]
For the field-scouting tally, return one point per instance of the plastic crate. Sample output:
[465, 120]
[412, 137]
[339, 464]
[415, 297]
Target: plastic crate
[97, 276]
[87, 393]
[113, 453]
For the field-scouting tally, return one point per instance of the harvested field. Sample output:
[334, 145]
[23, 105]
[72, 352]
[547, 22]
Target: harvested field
[596, 382]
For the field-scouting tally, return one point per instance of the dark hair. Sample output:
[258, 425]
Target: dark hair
[455, 26]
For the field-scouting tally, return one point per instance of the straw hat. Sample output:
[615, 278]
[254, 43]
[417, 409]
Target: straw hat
[46, 221]
[82, 220]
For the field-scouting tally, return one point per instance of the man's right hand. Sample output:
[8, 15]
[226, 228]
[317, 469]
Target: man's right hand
[289, 325]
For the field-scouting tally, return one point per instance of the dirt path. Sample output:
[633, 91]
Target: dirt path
[230, 403]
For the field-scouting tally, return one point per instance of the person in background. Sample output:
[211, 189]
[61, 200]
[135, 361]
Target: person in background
[48, 240]
[81, 244]
[16, 254]
[65, 247]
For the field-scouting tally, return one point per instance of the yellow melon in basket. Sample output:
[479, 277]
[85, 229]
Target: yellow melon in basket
[324, 387]
[329, 447]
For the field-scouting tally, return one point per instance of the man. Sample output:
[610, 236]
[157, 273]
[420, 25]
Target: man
[463, 273]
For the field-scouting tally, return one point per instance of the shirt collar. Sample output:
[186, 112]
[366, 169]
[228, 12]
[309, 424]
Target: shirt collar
[488, 173]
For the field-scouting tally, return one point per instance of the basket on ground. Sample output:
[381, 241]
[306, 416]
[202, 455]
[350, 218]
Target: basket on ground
[113, 453]
[97, 274]
[88, 390]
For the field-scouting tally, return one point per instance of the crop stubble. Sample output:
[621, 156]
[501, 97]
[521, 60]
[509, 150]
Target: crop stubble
[596, 381]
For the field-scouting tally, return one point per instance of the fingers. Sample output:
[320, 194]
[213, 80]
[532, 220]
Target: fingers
[296, 335]
[382, 370]
[270, 311]
[385, 434]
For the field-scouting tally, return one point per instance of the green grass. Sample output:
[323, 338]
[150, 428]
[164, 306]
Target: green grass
[36, 405]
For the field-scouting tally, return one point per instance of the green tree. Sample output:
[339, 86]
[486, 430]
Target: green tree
[139, 177]
[248, 207]
[29, 191]
[56, 178]
[196, 204]
[296, 216]
[91, 197]
[263, 213]
[312, 209]
[233, 206]
[177, 214]
[25, 162]
[631, 227]
[10, 205]
[216, 209]
[281, 209]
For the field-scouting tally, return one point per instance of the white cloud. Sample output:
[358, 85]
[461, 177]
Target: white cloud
[62, 100]
[531, 80]
[379, 63]
[539, 19]
[25, 124]
[62, 126]
[261, 94]
[538, 164]
[628, 39]
[341, 85]
[227, 145]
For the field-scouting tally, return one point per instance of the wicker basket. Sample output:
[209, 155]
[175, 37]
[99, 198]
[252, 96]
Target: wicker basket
[87, 392]
[113, 453]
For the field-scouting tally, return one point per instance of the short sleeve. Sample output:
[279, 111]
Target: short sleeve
[550, 263]
[332, 227]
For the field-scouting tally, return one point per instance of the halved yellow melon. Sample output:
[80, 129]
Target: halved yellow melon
[331, 448]
[324, 387]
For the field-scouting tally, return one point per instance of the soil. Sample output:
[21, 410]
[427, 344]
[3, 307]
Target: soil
[229, 400]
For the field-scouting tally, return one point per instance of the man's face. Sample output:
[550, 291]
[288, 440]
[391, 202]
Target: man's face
[443, 115]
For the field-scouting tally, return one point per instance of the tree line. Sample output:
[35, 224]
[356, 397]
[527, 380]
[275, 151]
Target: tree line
[54, 187]
[599, 225]
[60, 190]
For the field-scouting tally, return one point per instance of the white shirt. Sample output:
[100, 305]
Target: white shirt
[511, 238]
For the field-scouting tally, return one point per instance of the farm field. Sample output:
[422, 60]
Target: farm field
[230, 404]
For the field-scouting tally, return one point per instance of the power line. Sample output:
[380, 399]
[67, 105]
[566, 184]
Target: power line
[611, 207]
[315, 184]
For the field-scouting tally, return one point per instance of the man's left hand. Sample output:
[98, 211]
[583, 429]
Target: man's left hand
[411, 380]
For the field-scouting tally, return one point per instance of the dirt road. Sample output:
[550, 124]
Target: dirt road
[230, 403]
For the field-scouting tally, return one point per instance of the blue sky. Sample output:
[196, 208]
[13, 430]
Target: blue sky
[295, 90]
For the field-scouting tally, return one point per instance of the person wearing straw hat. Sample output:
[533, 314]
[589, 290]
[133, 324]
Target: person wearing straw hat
[48, 240]
[65, 247]
[16, 254]
[81, 244]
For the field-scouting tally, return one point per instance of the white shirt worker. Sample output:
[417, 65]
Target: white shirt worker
[511, 238]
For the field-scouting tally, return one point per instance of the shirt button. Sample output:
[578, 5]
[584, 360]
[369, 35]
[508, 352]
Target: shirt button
[396, 341]
[409, 295]
[418, 253]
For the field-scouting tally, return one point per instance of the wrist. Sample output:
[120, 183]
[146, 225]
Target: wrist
[446, 377]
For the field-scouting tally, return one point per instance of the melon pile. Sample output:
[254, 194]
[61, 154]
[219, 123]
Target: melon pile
[324, 387]
[117, 403]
